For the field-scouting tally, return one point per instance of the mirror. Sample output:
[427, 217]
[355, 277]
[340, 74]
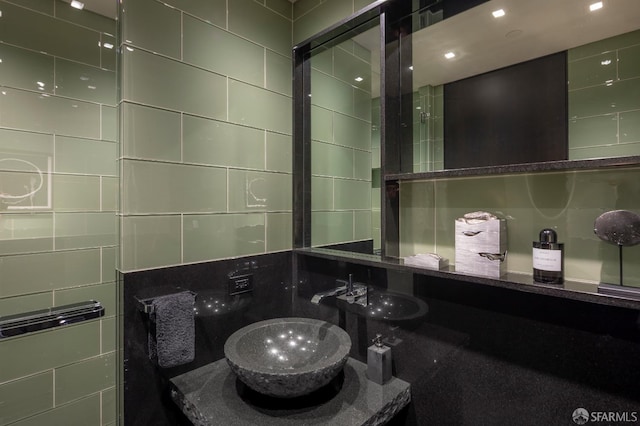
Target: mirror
[345, 143]
[603, 52]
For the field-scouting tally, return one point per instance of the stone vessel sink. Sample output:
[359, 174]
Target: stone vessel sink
[287, 357]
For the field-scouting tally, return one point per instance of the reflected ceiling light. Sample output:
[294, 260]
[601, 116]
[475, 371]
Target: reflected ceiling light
[498, 13]
[595, 6]
[359, 79]
[39, 83]
[449, 55]
[77, 4]
[605, 62]
[108, 45]
[411, 67]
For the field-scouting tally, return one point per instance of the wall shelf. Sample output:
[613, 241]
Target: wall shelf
[548, 166]
[512, 281]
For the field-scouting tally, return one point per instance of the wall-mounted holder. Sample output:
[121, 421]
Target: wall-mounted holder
[57, 316]
[145, 304]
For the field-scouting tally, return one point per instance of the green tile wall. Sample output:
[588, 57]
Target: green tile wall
[206, 130]
[604, 98]
[59, 181]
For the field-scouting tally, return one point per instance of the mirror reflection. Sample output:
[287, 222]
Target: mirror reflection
[602, 45]
[345, 144]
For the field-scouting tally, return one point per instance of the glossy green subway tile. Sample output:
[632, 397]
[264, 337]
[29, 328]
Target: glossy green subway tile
[222, 52]
[150, 133]
[222, 144]
[167, 188]
[593, 131]
[331, 93]
[80, 81]
[30, 302]
[24, 69]
[84, 230]
[362, 165]
[150, 242]
[44, 6]
[363, 52]
[629, 62]
[375, 197]
[325, 14]
[255, 22]
[259, 191]
[49, 114]
[605, 45]
[620, 96]
[109, 406]
[278, 73]
[619, 150]
[84, 412]
[593, 70]
[321, 124]
[83, 378]
[108, 264]
[359, 4]
[331, 160]
[85, 18]
[103, 293]
[85, 156]
[37, 352]
[158, 81]
[209, 237]
[213, 11]
[256, 107]
[24, 233]
[279, 231]
[70, 41]
[416, 218]
[331, 227]
[352, 132]
[29, 190]
[362, 225]
[630, 126]
[108, 52]
[36, 148]
[109, 124]
[300, 7]
[321, 193]
[322, 60]
[279, 152]
[26, 397]
[109, 193]
[352, 69]
[76, 193]
[283, 7]
[352, 194]
[362, 104]
[153, 26]
[108, 334]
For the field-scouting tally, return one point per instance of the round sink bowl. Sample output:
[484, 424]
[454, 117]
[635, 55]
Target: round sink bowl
[287, 357]
[395, 307]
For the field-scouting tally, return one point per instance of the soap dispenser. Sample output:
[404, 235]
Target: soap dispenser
[379, 361]
[548, 258]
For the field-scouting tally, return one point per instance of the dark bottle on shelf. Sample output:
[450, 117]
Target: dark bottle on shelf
[548, 258]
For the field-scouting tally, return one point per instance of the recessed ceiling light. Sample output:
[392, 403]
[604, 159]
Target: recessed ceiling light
[411, 67]
[359, 79]
[449, 55]
[77, 4]
[498, 13]
[595, 6]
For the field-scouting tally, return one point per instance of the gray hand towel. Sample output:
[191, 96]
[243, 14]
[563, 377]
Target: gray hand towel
[172, 330]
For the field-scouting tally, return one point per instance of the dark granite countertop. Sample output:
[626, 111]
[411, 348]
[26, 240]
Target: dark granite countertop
[211, 395]
[575, 290]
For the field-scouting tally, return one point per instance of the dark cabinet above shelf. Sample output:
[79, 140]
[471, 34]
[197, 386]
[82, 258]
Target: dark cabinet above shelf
[549, 166]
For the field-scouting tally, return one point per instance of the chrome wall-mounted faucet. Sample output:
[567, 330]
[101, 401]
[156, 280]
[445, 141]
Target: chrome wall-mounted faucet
[351, 291]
